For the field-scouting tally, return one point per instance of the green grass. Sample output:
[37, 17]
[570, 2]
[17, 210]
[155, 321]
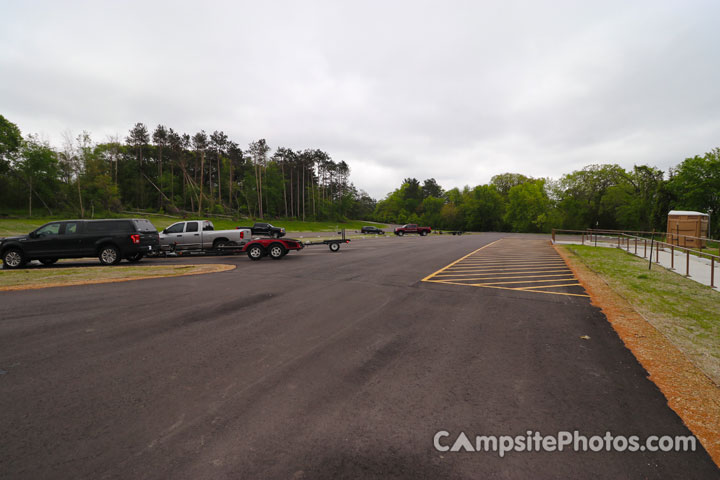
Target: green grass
[38, 276]
[685, 311]
[19, 226]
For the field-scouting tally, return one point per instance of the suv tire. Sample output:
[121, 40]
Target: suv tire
[13, 258]
[109, 255]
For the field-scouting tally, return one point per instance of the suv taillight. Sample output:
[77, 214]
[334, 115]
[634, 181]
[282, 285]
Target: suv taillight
[242, 234]
[135, 239]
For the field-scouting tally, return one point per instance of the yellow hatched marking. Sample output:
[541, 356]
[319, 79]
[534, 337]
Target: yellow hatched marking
[492, 265]
[458, 260]
[508, 288]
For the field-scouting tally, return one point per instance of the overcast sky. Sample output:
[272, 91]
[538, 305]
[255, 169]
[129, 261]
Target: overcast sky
[458, 91]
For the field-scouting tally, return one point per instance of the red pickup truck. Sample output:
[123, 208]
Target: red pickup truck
[412, 228]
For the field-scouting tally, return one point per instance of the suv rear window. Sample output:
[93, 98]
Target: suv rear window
[144, 226]
[113, 226]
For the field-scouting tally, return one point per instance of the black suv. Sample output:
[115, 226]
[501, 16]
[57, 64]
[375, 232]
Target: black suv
[375, 230]
[109, 240]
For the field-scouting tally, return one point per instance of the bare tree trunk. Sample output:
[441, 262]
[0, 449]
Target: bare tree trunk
[82, 211]
[267, 201]
[202, 172]
[282, 169]
[230, 182]
[219, 177]
[303, 193]
[292, 202]
[160, 179]
[312, 192]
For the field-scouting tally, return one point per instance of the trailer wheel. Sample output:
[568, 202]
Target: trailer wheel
[276, 251]
[334, 247]
[423, 233]
[255, 252]
[134, 258]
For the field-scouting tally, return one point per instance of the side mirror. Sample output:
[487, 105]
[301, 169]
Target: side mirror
[33, 235]
[164, 231]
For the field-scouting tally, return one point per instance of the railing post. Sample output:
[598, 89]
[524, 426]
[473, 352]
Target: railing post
[712, 272]
[652, 241]
[553, 235]
[583, 238]
[672, 256]
[687, 266]
[657, 254]
[645, 248]
[635, 245]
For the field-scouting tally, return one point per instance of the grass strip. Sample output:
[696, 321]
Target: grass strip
[61, 275]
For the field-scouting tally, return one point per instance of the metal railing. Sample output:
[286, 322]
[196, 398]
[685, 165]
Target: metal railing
[626, 240]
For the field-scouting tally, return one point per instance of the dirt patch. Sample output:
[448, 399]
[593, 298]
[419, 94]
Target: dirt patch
[689, 392]
[46, 278]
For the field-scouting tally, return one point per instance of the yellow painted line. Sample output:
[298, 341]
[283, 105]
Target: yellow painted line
[458, 260]
[497, 274]
[525, 255]
[516, 265]
[509, 288]
[555, 286]
[524, 281]
[492, 277]
[489, 264]
[506, 270]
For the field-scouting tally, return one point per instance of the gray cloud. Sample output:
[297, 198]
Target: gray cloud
[459, 91]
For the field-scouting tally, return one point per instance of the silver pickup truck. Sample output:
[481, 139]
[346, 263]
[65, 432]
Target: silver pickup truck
[201, 235]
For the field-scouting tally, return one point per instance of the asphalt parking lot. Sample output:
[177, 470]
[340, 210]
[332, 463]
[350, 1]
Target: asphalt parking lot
[326, 365]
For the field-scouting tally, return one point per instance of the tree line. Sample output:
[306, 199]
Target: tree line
[597, 196]
[173, 172]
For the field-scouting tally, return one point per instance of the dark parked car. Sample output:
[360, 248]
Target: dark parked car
[266, 229]
[109, 240]
[375, 230]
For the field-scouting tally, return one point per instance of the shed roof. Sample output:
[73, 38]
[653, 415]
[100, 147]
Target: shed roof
[686, 212]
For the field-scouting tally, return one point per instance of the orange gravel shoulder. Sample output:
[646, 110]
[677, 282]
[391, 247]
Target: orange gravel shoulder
[35, 278]
[689, 392]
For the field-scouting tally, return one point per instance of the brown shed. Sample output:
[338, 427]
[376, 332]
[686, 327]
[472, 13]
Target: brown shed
[690, 224]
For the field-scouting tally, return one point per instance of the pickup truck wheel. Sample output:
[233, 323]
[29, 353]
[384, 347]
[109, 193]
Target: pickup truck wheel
[109, 255]
[276, 251]
[219, 244]
[13, 258]
[400, 234]
[134, 258]
[423, 233]
[334, 247]
[48, 261]
[255, 252]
